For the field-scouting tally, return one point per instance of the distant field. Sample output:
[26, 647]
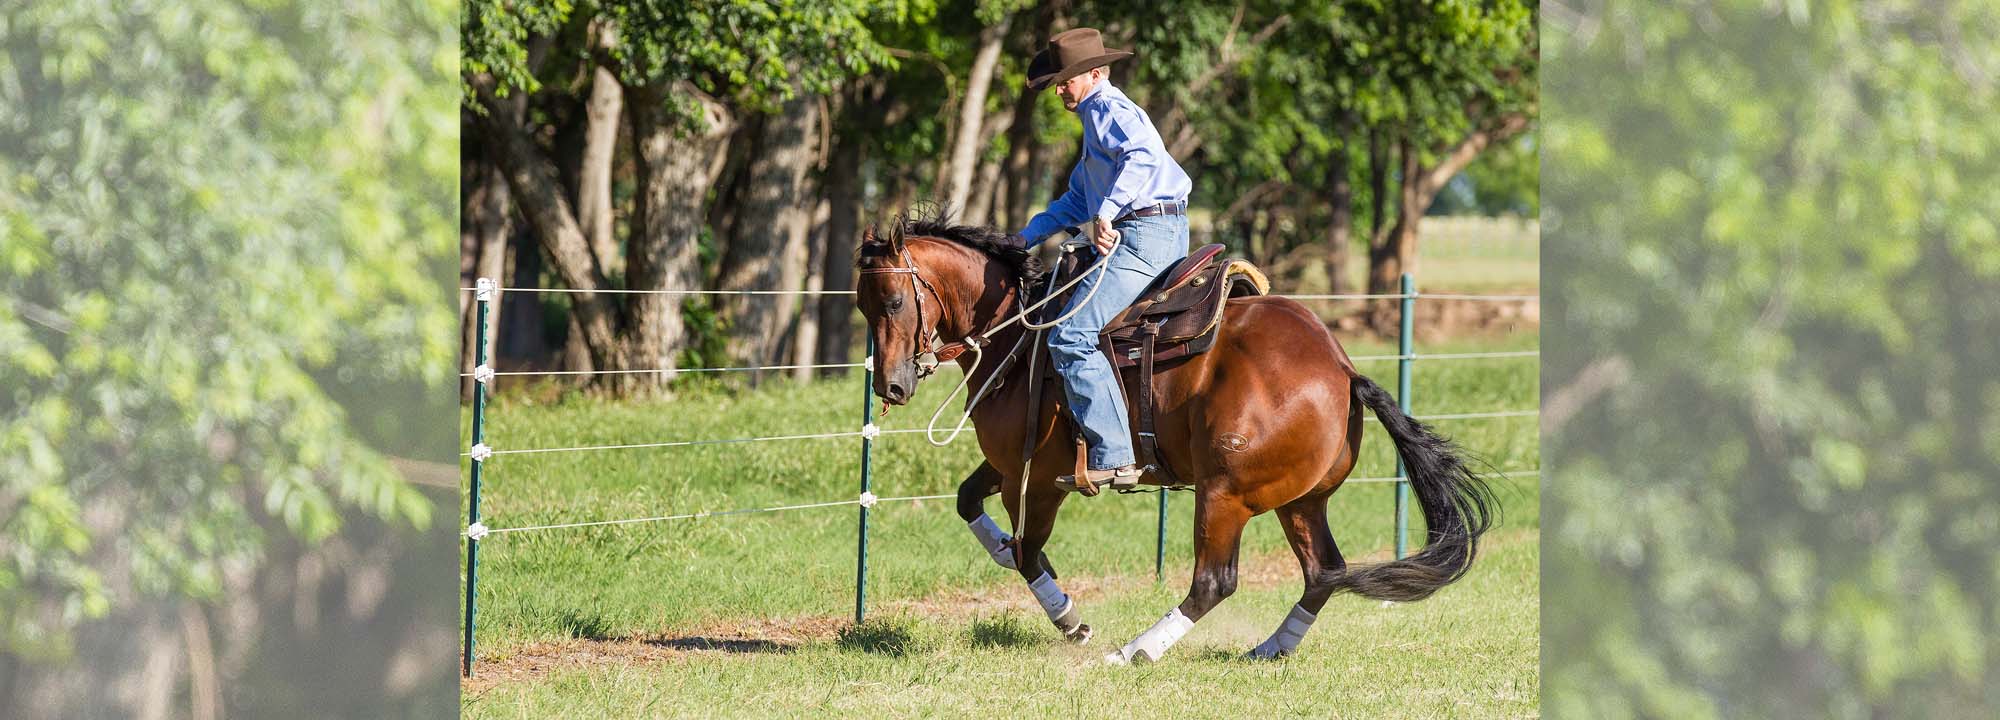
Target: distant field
[1477, 254]
[749, 615]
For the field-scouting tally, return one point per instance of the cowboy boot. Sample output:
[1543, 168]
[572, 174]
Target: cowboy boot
[1122, 478]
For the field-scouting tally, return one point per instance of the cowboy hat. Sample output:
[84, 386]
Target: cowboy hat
[1069, 54]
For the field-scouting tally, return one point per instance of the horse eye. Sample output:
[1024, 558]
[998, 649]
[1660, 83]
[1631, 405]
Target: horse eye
[895, 304]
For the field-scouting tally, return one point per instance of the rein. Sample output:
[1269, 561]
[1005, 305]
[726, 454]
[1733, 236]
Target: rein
[927, 360]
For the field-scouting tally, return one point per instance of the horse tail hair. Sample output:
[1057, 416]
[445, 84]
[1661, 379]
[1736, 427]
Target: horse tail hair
[1457, 505]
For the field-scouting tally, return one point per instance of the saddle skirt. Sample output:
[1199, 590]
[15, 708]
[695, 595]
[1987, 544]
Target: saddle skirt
[1185, 305]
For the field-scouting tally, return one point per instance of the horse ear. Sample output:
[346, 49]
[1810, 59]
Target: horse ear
[896, 238]
[868, 235]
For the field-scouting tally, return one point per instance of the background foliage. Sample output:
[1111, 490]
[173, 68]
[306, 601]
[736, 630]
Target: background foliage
[1774, 280]
[213, 271]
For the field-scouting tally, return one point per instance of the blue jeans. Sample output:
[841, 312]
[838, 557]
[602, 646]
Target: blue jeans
[1148, 246]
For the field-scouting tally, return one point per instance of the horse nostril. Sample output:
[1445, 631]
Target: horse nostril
[896, 391]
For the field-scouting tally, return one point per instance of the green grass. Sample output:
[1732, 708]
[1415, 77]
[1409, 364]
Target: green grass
[949, 631]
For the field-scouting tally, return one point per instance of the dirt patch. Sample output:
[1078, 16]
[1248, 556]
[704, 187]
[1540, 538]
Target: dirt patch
[537, 661]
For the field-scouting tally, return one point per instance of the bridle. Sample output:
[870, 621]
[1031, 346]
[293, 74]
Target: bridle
[928, 350]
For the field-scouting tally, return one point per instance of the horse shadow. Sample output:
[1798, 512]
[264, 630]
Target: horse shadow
[728, 645]
[598, 629]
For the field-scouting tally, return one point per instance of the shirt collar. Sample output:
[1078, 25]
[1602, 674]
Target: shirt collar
[1094, 93]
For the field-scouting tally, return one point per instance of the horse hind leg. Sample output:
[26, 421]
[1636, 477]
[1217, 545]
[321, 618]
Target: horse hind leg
[1304, 521]
[1218, 536]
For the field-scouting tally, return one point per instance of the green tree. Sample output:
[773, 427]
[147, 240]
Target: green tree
[691, 75]
[1774, 285]
[223, 229]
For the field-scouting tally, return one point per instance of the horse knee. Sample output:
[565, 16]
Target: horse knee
[972, 493]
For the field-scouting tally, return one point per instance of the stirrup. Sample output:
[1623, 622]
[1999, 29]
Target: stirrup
[1121, 479]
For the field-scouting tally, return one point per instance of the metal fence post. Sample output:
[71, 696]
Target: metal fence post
[1405, 351]
[481, 376]
[1160, 545]
[867, 451]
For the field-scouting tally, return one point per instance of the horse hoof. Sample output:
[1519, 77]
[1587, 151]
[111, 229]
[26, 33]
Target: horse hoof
[1079, 636]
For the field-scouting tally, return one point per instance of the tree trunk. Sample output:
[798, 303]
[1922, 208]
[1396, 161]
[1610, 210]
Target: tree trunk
[533, 183]
[519, 335]
[488, 221]
[1024, 151]
[843, 188]
[1379, 157]
[1340, 224]
[805, 342]
[675, 171]
[980, 209]
[1420, 187]
[593, 205]
[965, 147]
[767, 248]
[1022, 147]
[1395, 254]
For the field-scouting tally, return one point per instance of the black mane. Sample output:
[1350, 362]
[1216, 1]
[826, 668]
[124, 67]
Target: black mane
[928, 220]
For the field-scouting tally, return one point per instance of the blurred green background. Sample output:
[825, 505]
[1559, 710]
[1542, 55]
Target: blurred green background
[1773, 292]
[225, 347]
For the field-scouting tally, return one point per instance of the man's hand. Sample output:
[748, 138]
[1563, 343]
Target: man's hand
[1103, 235]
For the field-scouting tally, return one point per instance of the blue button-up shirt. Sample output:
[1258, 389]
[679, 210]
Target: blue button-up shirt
[1124, 167]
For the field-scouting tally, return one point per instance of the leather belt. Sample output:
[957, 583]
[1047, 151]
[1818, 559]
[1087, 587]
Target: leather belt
[1155, 210]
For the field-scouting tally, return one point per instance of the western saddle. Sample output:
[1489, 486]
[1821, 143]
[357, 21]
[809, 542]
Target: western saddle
[1177, 317]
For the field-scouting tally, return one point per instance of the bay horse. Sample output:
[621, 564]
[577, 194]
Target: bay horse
[1267, 420]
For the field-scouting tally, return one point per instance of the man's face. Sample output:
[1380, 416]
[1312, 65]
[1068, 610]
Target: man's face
[1073, 89]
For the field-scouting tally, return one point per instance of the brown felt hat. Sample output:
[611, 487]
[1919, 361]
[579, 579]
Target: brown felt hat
[1069, 54]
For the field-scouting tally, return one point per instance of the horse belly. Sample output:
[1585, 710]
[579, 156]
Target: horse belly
[1268, 410]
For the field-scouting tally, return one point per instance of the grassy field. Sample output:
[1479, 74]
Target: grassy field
[750, 615]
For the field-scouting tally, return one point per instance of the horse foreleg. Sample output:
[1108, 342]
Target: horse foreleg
[1304, 521]
[983, 482]
[1218, 533]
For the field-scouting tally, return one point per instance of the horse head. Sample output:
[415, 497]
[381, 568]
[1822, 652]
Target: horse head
[927, 284]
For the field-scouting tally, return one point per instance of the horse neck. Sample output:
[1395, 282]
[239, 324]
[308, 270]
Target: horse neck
[978, 293]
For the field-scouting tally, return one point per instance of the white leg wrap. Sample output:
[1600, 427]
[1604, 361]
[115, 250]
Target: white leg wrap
[1054, 601]
[994, 540]
[1152, 644]
[1286, 639]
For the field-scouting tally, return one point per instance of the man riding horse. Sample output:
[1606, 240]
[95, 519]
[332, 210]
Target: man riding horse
[1138, 195]
[1266, 417]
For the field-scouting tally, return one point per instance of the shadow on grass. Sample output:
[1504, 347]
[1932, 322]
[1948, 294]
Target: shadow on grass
[584, 627]
[728, 645]
[1005, 632]
[880, 637]
[1224, 655]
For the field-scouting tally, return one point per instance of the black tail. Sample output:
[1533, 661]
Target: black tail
[1456, 503]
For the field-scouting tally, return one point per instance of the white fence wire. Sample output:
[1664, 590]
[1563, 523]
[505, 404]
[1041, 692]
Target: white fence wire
[483, 532]
[483, 451]
[488, 451]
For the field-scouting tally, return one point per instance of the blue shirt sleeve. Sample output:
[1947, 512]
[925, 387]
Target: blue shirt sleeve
[1124, 135]
[1066, 211]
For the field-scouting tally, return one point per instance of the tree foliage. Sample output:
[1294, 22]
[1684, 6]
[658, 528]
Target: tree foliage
[1773, 273]
[212, 260]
